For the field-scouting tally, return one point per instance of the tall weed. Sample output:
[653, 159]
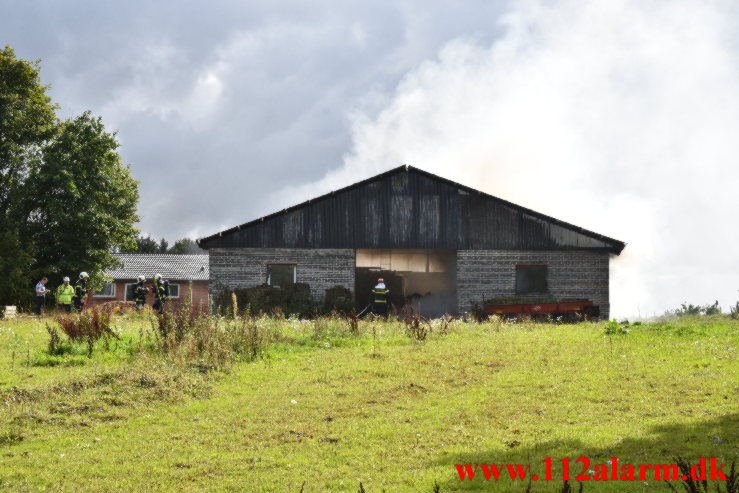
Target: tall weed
[88, 327]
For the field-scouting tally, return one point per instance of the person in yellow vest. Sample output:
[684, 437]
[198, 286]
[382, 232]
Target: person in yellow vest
[64, 294]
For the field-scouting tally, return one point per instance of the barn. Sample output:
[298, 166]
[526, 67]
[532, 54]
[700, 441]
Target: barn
[441, 247]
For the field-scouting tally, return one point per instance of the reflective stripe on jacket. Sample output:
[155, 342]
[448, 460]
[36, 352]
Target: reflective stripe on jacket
[64, 294]
[159, 292]
[380, 295]
[140, 293]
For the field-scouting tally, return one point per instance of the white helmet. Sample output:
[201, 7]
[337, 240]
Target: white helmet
[84, 274]
[157, 276]
[66, 279]
[141, 278]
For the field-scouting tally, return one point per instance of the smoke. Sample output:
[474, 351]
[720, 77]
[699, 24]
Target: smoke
[621, 117]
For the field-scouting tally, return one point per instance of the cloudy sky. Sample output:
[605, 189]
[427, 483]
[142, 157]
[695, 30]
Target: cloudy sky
[619, 116]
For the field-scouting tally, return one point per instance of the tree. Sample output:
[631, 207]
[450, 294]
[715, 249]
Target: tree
[144, 244]
[185, 246]
[27, 122]
[163, 246]
[80, 200]
[66, 199]
[147, 244]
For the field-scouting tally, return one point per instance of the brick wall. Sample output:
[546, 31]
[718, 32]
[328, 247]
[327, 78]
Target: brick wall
[199, 293]
[236, 268]
[485, 274]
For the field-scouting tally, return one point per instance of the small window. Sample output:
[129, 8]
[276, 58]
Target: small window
[281, 274]
[531, 279]
[108, 291]
[174, 290]
[129, 292]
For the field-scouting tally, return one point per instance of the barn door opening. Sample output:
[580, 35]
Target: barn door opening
[424, 280]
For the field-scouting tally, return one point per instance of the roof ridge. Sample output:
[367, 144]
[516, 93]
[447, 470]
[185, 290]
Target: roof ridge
[617, 244]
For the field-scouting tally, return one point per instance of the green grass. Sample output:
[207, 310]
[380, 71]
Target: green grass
[329, 409]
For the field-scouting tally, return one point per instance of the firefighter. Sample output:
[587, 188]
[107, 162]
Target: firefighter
[64, 295]
[160, 292]
[380, 295]
[80, 291]
[139, 293]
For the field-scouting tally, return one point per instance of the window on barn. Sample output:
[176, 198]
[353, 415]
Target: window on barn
[108, 291]
[531, 279]
[281, 274]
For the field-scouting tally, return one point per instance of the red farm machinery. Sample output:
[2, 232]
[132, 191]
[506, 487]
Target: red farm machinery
[567, 310]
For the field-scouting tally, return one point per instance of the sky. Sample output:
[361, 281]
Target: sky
[619, 116]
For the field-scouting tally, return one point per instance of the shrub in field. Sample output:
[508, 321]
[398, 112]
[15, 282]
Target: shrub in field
[192, 336]
[687, 309]
[291, 299]
[734, 311]
[55, 339]
[338, 298]
[614, 327]
[417, 327]
[353, 322]
[88, 327]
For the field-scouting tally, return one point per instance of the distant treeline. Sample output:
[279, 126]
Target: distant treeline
[147, 244]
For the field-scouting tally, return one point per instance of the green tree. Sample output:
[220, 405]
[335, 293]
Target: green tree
[185, 246]
[66, 199]
[80, 201]
[27, 122]
[144, 244]
[163, 246]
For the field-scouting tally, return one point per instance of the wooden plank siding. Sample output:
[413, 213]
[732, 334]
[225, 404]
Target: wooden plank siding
[410, 208]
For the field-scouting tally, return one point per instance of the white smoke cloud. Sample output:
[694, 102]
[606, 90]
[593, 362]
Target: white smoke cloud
[620, 116]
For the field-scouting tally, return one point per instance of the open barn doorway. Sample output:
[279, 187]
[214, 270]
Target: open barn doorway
[424, 280]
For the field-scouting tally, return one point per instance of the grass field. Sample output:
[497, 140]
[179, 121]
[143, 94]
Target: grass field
[324, 408]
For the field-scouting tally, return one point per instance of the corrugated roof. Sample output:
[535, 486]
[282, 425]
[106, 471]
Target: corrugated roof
[364, 214]
[170, 266]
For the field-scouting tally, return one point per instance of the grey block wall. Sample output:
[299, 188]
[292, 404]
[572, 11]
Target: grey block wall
[485, 274]
[321, 269]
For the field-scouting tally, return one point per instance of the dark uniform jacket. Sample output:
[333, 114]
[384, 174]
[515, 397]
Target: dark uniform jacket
[139, 293]
[380, 295]
[80, 291]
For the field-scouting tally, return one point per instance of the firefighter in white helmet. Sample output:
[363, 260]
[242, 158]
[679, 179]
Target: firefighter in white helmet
[160, 292]
[80, 291]
[139, 293]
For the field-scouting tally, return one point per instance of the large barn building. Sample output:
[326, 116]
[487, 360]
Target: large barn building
[440, 246]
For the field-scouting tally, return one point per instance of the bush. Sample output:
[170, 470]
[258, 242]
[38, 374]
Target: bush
[687, 309]
[193, 337]
[613, 327]
[290, 299]
[338, 298]
[89, 327]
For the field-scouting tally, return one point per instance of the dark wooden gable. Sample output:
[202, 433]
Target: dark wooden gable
[410, 208]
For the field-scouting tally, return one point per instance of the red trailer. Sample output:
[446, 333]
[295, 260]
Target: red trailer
[577, 309]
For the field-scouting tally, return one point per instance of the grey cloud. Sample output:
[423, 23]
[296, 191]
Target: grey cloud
[221, 105]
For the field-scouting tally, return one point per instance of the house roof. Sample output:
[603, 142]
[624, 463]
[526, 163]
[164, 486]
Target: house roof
[550, 230]
[170, 266]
